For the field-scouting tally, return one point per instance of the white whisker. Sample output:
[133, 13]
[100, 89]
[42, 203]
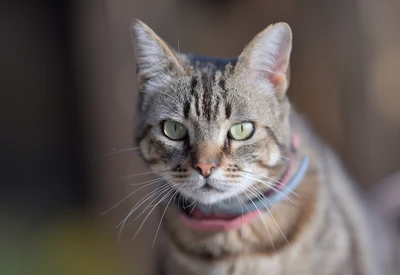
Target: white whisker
[136, 175]
[153, 194]
[190, 205]
[162, 216]
[116, 152]
[141, 225]
[149, 183]
[150, 204]
[288, 158]
[194, 206]
[262, 218]
[159, 191]
[241, 208]
[272, 187]
[270, 213]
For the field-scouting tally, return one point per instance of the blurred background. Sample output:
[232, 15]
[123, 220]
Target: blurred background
[68, 94]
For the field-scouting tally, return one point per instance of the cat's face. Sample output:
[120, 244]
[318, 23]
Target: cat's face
[215, 133]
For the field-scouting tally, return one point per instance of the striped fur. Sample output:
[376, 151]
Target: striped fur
[328, 231]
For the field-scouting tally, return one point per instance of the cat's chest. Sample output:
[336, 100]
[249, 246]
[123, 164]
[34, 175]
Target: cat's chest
[298, 259]
[322, 249]
[241, 265]
[254, 265]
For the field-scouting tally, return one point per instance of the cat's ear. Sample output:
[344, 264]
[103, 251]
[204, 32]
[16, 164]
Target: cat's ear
[153, 56]
[267, 57]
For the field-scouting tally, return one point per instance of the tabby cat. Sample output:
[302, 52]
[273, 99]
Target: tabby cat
[248, 188]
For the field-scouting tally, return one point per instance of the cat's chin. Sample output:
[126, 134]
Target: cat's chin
[195, 219]
[206, 195]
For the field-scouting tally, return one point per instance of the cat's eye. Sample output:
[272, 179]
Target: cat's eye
[174, 130]
[241, 131]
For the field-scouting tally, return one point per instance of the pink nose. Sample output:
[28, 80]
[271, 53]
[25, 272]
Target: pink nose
[205, 168]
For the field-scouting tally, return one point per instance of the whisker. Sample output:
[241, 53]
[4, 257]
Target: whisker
[136, 175]
[116, 152]
[273, 188]
[270, 213]
[179, 55]
[149, 183]
[262, 218]
[194, 206]
[289, 158]
[283, 186]
[156, 192]
[274, 180]
[241, 208]
[190, 205]
[166, 187]
[151, 211]
[144, 182]
[122, 224]
[224, 204]
[163, 214]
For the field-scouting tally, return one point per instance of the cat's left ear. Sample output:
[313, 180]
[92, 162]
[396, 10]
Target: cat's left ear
[267, 57]
[154, 58]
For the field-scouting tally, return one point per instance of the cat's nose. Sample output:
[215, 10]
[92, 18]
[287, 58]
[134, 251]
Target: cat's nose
[205, 168]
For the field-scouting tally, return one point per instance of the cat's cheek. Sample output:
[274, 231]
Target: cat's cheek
[273, 156]
[145, 149]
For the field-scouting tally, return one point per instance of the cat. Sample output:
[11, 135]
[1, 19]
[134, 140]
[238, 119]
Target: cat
[248, 187]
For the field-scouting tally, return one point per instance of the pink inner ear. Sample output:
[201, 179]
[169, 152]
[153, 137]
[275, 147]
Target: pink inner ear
[278, 80]
[280, 75]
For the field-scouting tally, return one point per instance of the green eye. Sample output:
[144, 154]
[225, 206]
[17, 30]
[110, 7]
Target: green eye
[174, 130]
[241, 131]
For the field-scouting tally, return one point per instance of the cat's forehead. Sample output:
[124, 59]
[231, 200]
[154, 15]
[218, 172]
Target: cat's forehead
[209, 92]
[212, 90]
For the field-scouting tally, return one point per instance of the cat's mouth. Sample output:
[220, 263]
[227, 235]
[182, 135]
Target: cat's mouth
[196, 219]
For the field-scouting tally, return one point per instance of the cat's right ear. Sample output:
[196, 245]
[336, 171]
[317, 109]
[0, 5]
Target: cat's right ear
[153, 56]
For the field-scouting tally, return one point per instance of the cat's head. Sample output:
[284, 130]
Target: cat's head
[214, 131]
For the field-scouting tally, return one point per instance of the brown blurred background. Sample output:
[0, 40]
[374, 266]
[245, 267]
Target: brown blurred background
[68, 82]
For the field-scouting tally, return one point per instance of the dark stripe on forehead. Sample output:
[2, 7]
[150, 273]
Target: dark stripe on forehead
[216, 107]
[228, 110]
[197, 103]
[221, 83]
[193, 85]
[207, 88]
[186, 108]
[228, 106]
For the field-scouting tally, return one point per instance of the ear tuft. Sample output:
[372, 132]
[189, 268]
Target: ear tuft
[268, 56]
[153, 56]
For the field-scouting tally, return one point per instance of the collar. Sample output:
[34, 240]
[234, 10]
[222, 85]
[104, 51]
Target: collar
[232, 214]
